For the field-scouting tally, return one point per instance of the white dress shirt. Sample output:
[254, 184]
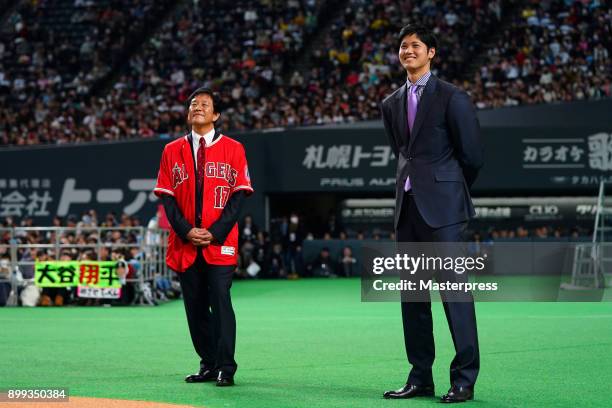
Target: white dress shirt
[208, 137]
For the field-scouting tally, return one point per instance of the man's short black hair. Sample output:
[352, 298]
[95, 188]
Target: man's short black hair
[216, 99]
[425, 34]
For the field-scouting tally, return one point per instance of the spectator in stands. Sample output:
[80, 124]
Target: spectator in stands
[54, 296]
[246, 258]
[324, 265]
[5, 278]
[297, 267]
[275, 265]
[25, 257]
[261, 252]
[165, 288]
[126, 271]
[348, 263]
[248, 230]
[293, 234]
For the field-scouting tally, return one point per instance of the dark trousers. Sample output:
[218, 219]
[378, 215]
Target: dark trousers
[416, 316]
[210, 316]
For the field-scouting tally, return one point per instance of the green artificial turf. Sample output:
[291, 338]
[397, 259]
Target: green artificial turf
[309, 343]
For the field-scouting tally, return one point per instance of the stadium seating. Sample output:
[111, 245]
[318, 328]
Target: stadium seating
[550, 52]
[356, 65]
[79, 70]
[54, 53]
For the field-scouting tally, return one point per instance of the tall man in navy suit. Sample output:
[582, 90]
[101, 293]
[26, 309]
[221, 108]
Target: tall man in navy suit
[435, 135]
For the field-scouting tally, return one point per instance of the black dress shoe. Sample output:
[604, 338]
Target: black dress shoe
[411, 391]
[224, 380]
[458, 394]
[204, 375]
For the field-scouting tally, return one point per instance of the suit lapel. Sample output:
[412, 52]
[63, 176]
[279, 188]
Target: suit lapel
[423, 108]
[402, 117]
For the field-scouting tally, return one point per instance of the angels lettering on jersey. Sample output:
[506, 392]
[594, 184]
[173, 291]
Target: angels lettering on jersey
[178, 175]
[222, 171]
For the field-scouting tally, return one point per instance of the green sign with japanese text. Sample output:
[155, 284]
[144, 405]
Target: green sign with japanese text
[59, 274]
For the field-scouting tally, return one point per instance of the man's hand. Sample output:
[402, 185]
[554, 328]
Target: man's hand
[200, 237]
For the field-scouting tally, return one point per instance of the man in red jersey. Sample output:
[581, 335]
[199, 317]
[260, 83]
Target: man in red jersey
[203, 180]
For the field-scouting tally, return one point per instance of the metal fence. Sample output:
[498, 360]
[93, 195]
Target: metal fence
[592, 261]
[151, 245]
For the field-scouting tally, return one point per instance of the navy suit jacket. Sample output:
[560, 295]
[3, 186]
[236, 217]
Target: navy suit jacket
[442, 155]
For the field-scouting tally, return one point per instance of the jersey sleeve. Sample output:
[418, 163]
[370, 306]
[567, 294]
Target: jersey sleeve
[243, 179]
[164, 177]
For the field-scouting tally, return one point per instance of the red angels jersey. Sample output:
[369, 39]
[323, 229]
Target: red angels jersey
[225, 172]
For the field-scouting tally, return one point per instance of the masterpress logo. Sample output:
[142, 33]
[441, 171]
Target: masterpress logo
[422, 285]
[404, 263]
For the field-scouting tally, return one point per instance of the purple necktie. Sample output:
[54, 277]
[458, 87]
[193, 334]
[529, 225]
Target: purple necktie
[413, 103]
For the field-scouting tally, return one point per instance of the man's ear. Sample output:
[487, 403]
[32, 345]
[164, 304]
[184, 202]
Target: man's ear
[216, 116]
[431, 53]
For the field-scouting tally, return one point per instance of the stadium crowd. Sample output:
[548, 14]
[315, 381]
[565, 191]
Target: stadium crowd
[554, 50]
[356, 66]
[241, 47]
[50, 60]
